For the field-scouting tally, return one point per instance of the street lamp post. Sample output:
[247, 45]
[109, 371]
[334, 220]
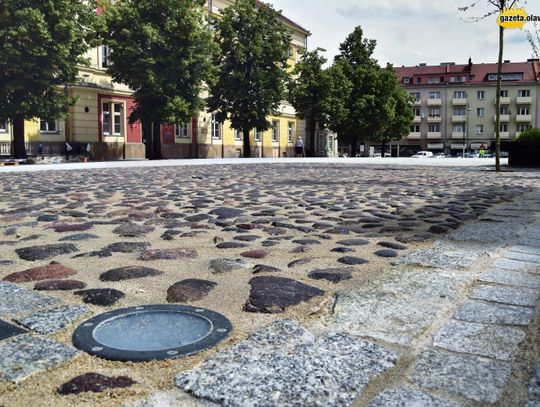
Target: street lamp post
[465, 128]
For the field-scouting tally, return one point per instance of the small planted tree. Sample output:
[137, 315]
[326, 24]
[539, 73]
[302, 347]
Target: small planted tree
[162, 50]
[43, 43]
[252, 63]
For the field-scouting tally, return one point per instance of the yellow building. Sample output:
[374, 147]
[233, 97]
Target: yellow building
[98, 122]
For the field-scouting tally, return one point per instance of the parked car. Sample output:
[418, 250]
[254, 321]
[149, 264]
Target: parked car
[504, 154]
[441, 155]
[423, 154]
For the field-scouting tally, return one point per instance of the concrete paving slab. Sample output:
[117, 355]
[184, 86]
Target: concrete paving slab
[408, 397]
[493, 313]
[495, 341]
[526, 297]
[473, 377]
[285, 365]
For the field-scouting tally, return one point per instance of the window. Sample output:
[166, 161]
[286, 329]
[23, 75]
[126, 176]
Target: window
[415, 129]
[181, 131]
[479, 129]
[416, 96]
[504, 93]
[47, 126]
[523, 110]
[237, 135]
[523, 127]
[434, 112]
[406, 80]
[504, 110]
[524, 93]
[112, 118]
[290, 131]
[458, 128]
[480, 112]
[257, 135]
[480, 95]
[434, 95]
[416, 111]
[291, 52]
[506, 77]
[458, 79]
[104, 54]
[275, 131]
[459, 94]
[504, 128]
[434, 79]
[3, 127]
[434, 128]
[216, 128]
[459, 111]
[418, 79]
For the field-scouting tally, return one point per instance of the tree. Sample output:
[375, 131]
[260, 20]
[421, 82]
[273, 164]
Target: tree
[498, 7]
[377, 108]
[252, 62]
[162, 50]
[43, 43]
[309, 89]
[534, 40]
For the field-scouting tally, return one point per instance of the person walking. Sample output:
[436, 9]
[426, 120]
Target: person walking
[299, 147]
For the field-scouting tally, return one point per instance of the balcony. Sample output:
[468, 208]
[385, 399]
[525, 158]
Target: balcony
[504, 101]
[505, 118]
[414, 136]
[434, 119]
[459, 119]
[523, 118]
[417, 102]
[525, 100]
[434, 102]
[417, 119]
[504, 135]
[460, 102]
[434, 135]
[458, 135]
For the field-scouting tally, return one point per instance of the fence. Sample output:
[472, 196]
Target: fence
[49, 149]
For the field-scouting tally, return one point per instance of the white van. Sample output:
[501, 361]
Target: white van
[423, 154]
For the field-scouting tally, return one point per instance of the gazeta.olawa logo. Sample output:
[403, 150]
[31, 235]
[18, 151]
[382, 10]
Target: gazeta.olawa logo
[515, 18]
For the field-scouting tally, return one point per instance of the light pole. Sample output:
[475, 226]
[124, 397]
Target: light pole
[465, 127]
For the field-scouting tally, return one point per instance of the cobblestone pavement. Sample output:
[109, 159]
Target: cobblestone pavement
[346, 284]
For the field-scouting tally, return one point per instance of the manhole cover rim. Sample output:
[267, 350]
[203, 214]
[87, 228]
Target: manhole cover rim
[83, 337]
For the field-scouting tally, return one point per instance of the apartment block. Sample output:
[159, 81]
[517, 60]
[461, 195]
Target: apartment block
[454, 105]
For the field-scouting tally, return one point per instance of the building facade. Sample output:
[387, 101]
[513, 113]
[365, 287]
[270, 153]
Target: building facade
[455, 110]
[98, 123]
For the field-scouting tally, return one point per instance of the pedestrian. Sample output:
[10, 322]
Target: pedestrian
[40, 150]
[299, 148]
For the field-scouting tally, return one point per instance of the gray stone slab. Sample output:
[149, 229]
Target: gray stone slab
[517, 265]
[27, 354]
[407, 397]
[526, 297]
[473, 377]
[526, 257]
[495, 233]
[53, 320]
[15, 300]
[173, 398]
[529, 241]
[285, 365]
[534, 387]
[495, 341]
[509, 277]
[442, 256]
[493, 313]
[525, 249]
[397, 310]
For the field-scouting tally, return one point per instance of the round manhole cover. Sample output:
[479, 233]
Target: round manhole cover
[151, 332]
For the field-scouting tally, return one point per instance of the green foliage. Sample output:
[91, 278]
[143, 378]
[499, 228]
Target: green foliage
[162, 50]
[252, 62]
[529, 135]
[43, 43]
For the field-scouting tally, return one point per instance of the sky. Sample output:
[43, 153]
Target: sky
[409, 32]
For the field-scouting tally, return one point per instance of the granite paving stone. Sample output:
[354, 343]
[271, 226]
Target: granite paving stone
[534, 387]
[526, 257]
[27, 354]
[517, 265]
[526, 297]
[525, 250]
[517, 278]
[495, 341]
[493, 313]
[54, 319]
[408, 397]
[473, 377]
[285, 365]
[442, 255]
[17, 300]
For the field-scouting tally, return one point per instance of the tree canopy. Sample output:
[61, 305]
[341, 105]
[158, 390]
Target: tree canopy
[252, 63]
[162, 50]
[43, 44]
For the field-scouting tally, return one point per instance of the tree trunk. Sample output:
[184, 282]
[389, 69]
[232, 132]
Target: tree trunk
[19, 149]
[383, 148]
[247, 146]
[312, 129]
[156, 141]
[498, 103]
[354, 148]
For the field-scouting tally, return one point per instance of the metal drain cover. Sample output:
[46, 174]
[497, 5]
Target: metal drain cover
[151, 332]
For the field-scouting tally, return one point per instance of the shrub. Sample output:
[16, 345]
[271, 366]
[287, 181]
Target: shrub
[529, 135]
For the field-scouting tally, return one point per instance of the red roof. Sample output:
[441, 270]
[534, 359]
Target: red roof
[478, 73]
